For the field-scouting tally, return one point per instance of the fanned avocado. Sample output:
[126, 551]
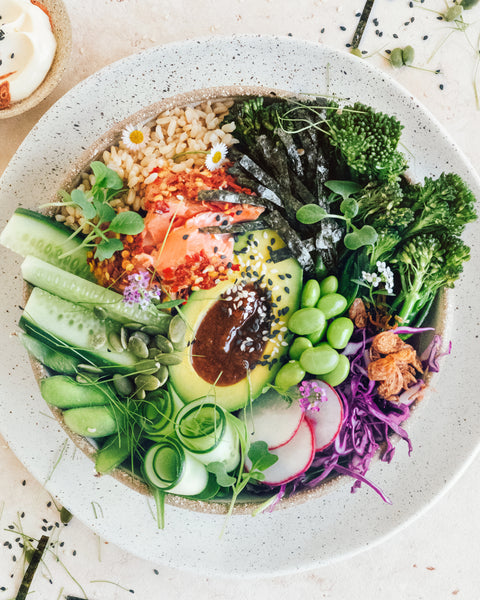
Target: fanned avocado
[274, 288]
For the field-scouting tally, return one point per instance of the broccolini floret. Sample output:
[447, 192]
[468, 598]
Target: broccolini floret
[443, 204]
[425, 264]
[367, 142]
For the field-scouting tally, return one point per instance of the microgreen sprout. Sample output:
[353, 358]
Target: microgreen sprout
[99, 216]
[355, 237]
[312, 395]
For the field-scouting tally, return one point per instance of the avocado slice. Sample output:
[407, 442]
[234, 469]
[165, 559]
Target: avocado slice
[282, 282]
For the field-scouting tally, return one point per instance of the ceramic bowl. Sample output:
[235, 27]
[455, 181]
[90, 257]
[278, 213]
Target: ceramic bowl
[327, 527]
[63, 35]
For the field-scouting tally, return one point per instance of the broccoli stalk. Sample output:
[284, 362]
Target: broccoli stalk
[444, 204]
[367, 142]
[425, 264]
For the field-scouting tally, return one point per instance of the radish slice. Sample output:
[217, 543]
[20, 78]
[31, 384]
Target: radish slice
[327, 421]
[272, 419]
[294, 458]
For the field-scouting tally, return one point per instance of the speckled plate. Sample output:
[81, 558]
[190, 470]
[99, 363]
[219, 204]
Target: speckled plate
[445, 430]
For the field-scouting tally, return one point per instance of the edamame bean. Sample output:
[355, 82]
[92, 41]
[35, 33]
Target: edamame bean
[319, 360]
[317, 336]
[339, 373]
[339, 332]
[310, 293]
[91, 421]
[299, 344]
[332, 305]
[329, 285]
[290, 374]
[306, 320]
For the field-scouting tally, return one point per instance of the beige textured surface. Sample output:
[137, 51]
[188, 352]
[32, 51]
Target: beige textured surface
[434, 558]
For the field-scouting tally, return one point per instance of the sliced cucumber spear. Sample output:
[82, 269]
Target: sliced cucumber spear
[90, 295]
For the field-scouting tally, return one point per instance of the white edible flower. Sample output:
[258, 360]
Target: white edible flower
[216, 157]
[381, 266]
[375, 279]
[135, 138]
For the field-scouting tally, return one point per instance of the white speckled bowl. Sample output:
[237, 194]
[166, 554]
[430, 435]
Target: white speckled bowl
[322, 529]
[63, 35]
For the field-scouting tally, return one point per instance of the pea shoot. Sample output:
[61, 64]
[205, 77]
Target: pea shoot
[100, 217]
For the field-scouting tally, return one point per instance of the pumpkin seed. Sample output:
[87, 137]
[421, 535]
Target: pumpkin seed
[169, 359]
[133, 326]
[163, 343]
[124, 337]
[147, 382]
[123, 385]
[154, 330]
[89, 368]
[141, 336]
[147, 367]
[177, 329]
[115, 341]
[154, 352]
[140, 394]
[162, 375]
[138, 347]
[100, 312]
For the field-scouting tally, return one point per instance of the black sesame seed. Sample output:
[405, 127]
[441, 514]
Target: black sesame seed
[217, 217]
[223, 256]
[12, 55]
[441, 86]
[322, 30]
[343, 28]
[358, 15]
[410, 4]
[238, 212]
[24, 482]
[49, 503]
[375, 22]
[215, 250]
[425, 37]
[281, 276]
[74, 553]
[395, 36]
[2, 34]
[14, 558]
[22, 515]
[44, 528]
[0, 62]
[185, 237]
[287, 289]
[225, 222]
[348, 45]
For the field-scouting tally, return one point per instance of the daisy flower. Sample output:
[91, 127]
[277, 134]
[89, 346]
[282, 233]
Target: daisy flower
[135, 138]
[216, 157]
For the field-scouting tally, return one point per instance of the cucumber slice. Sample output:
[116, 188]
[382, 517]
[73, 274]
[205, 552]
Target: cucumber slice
[76, 289]
[169, 467]
[29, 232]
[72, 329]
[48, 356]
[204, 429]
[64, 392]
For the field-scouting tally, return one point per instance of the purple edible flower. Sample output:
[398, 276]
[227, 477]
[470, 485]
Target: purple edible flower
[138, 290]
[311, 395]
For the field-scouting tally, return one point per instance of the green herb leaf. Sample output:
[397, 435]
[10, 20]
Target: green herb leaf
[220, 472]
[81, 200]
[105, 212]
[261, 458]
[105, 177]
[107, 248]
[129, 223]
[360, 237]
[349, 208]
[311, 213]
[343, 188]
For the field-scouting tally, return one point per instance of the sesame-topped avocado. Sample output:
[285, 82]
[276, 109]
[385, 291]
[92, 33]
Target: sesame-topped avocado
[237, 331]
